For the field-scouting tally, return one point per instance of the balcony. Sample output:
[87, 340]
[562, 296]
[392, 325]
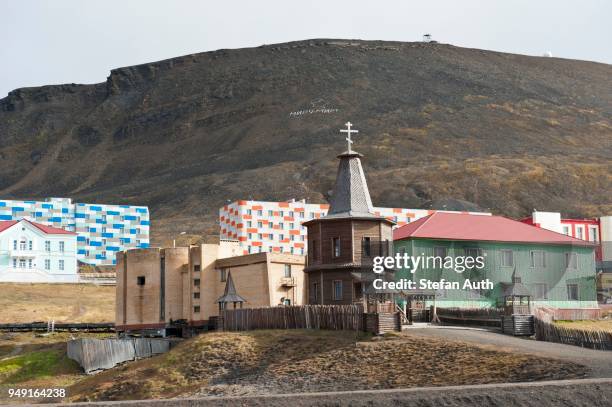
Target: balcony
[288, 282]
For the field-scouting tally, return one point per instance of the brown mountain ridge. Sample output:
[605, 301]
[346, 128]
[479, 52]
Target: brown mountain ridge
[439, 125]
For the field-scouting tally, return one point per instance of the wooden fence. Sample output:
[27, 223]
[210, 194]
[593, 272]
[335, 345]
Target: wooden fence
[59, 326]
[471, 316]
[546, 330]
[100, 354]
[335, 317]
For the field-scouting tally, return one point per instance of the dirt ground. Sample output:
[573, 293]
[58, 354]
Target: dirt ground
[276, 362]
[61, 302]
[599, 362]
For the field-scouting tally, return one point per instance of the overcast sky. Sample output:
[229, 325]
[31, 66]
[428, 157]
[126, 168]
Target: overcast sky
[65, 41]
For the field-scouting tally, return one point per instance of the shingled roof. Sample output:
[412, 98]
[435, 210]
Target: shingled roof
[351, 197]
[230, 294]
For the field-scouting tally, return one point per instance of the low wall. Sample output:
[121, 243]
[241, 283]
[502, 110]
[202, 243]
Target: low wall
[471, 316]
[101, 354]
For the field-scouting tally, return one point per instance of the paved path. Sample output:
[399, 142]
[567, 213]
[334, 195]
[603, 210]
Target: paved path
[599, 361]
[586, 392]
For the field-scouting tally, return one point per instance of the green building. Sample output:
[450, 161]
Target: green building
[556, 270]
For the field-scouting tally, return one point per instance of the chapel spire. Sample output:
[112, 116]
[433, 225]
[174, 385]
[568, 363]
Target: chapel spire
[351, 197]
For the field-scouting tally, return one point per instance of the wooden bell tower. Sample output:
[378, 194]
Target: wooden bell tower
[342, 243]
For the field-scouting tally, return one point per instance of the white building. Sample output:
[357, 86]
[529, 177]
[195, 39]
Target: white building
[34, 253]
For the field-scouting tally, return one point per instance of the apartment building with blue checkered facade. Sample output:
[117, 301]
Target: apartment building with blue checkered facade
[102, 230]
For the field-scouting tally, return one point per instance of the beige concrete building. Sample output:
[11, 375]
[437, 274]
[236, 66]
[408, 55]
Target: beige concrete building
[167, 290]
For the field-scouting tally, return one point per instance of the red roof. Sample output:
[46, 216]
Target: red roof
[7, 224]
[460, 226]
[49, 230]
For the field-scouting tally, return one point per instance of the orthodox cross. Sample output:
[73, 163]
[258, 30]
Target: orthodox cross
[348, 132]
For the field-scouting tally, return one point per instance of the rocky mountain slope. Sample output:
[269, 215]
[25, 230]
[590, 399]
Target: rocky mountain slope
[437, 124]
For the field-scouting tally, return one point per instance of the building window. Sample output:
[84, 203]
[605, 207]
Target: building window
[566, 230]
[572, 292]
[593, 234]
[259, 212]
[14, 263]
[223, 275]
[337, 290]
[367, 247]
[29, 263]
[288, 270]
[22, 263]
[249, 212]
[315, 292]
[571, 261]
[270, 225]
[196, 309]
[47, 264]
[30, 245]
[579, 232]
[537, 258]
[315, 250]
[14, 244]
[281, 237]
[507, 258]
[291, 214]
[22, 244]
[439, 251]
[336, 246]
[540, 291]
[140, 280]
[196, 282]
[473, 252]
[47, 246]
[196, 267]
[196, 295]
[61, 265]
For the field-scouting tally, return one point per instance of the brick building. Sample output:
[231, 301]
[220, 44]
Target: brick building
[164, 290]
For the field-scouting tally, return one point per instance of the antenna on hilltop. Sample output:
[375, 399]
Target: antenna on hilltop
[426, 37]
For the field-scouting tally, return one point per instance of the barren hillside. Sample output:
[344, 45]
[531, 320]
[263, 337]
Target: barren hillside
[507, 132]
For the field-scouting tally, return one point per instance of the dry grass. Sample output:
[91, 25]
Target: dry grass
[269, 362]
[601, 325]
[61, 302]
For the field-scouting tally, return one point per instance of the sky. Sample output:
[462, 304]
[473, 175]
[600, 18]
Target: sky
[77, 41]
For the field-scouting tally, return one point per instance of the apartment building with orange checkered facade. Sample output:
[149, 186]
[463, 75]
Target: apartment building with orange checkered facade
[276, 227]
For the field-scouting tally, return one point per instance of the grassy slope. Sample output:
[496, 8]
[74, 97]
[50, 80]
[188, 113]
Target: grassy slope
[264, 362]
[61, 302]
[34, 361]
[601, 325]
